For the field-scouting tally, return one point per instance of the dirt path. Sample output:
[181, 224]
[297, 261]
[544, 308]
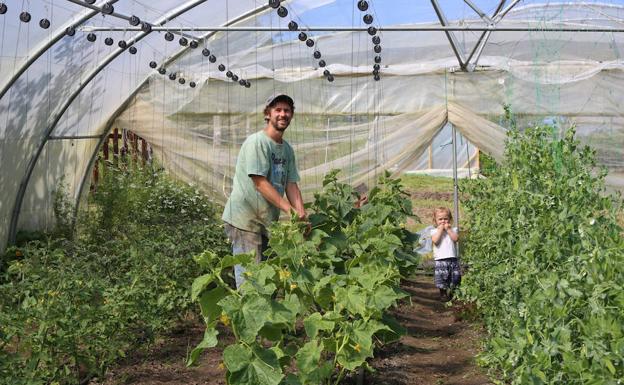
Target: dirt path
[438, 349]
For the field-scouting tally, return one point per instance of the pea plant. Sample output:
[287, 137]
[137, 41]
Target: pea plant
[546, 258]
[316, 309]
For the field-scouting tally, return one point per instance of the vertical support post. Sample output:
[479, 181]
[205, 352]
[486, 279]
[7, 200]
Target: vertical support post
[124, 144]
[96, 174]
[144, 150]
[430, 157]
[115, 145]
[455, 182]
[135, 147]
[105, 147]
[478, 165]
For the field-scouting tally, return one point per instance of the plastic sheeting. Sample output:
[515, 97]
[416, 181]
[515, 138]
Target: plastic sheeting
[355, 123]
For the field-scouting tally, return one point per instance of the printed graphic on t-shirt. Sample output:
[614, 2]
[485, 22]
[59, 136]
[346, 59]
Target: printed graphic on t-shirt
[278, 172]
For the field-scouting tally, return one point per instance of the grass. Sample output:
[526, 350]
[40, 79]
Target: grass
[417, 182]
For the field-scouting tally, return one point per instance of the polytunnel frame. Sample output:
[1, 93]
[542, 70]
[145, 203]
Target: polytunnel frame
[172, 14]
[125, 103]
[43, 48]
[498, 14]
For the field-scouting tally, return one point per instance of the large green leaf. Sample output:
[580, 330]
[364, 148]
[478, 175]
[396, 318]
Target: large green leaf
[199, 284]
[352, 298]
[314, 323]
[237, 357]
[383, 297]
[238, 259]
[208, 303]
[311, 370]
[309, 356]
[209, 341]
[360, 344]
[256, 312]
[262, 368]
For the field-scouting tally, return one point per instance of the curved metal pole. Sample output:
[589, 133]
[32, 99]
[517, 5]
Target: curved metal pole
[55, 119]
[41, 49]
[242, 17]
[483, 38]
[125, 103]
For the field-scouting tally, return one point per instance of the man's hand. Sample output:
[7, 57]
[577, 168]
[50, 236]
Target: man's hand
[303, 217]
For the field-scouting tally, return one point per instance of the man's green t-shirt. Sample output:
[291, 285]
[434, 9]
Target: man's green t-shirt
[246, 208]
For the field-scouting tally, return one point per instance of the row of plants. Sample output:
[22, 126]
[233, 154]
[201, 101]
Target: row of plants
[546, 262]
[74, 302]
[315, 310]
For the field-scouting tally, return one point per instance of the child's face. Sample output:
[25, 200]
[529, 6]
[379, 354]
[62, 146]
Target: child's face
[442, 218]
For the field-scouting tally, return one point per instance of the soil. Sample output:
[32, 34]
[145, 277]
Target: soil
[439, 348]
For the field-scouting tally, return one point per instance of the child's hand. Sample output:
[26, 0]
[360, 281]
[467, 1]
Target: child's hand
[447, 226]
[441, 227]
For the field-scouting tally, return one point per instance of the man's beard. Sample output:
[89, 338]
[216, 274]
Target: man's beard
[279, 128]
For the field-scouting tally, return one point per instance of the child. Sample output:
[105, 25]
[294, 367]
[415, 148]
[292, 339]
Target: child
[447, 274]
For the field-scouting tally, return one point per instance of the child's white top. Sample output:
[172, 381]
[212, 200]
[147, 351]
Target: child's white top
[446, 247]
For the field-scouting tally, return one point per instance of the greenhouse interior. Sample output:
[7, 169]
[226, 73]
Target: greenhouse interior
[430, 91]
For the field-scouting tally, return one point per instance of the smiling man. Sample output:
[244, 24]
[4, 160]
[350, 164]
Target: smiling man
[265, 172]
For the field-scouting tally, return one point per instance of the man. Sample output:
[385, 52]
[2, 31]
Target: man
[265, 170]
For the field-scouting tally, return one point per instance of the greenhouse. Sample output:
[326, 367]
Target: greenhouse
[496, 99]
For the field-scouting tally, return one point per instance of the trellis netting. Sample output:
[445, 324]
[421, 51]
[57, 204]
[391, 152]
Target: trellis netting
[78, 90]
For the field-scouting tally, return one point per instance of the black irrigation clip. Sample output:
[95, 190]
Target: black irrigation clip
[372, 31]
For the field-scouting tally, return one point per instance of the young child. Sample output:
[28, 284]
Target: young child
[447, 274]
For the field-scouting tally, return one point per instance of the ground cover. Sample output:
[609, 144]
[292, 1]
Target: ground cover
[439, 349]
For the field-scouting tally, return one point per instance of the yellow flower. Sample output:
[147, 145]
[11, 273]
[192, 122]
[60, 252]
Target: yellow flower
[357, 348]
[284, 274]
[248, 273]
[224, 319]
[293, 286]
[221, 366]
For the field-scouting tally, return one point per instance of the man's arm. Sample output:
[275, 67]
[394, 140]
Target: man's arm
[266, 189]
[296, 200]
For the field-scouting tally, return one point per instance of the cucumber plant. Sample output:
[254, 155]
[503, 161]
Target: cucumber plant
[317, 307]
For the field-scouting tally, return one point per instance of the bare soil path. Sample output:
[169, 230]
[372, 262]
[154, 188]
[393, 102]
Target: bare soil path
[439, 349]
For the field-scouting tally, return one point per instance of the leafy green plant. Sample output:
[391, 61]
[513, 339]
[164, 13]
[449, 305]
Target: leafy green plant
[316, 308]
[71, 308]
[63, 212]
[546, 262]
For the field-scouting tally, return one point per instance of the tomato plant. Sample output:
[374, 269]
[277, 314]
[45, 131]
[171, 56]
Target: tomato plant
[71, 308]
